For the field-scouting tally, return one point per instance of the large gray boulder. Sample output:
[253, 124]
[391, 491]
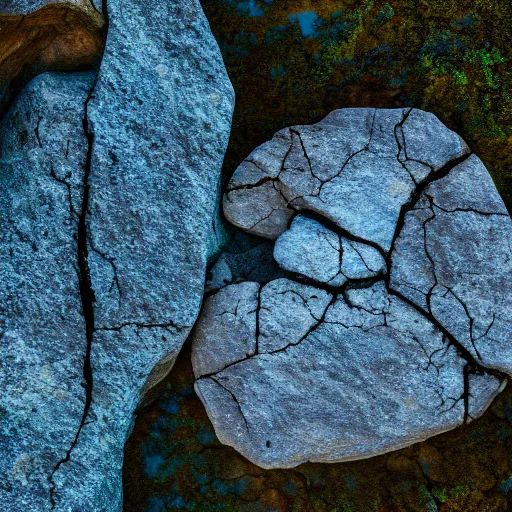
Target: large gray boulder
[394, 321]
[155, 126]
[42, 328]
[158, 120]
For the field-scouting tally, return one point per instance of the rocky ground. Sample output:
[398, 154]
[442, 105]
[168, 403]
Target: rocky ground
[291, 62]
[447, 57]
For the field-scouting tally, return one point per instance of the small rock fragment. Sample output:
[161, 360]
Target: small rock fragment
[310, 249]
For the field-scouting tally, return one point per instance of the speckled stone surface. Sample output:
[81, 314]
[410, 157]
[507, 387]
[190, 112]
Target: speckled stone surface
[159, 121]
[445, 264]
[154, 126]
[347, 365]
[42, 329]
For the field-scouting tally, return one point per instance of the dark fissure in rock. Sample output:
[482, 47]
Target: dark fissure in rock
[87, 295]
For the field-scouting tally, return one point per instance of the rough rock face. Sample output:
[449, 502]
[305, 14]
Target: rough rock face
[42, 35]
[153, 130]
[453, 259]
[314, 251]
[319, 168]
[393, 323]
[42, 329]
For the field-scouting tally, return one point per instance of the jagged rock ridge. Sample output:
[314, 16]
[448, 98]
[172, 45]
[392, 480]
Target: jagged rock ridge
[392, 324]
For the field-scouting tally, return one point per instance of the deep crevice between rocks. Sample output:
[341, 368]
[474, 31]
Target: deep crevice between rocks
[87, 298]
[86, 290]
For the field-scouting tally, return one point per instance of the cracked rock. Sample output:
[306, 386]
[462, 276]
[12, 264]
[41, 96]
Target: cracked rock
[330, 390]
[42, 329]
[159, 121]
[229, 317]
[310, 249]
[353, 161]
[393, 324]
[105, 257]
[453, 259]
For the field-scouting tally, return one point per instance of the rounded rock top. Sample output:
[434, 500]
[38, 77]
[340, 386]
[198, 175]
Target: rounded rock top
[392, 321]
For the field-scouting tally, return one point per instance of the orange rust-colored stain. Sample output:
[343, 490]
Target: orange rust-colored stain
[54, 38]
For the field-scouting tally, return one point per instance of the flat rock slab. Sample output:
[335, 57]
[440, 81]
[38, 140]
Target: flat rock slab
[314, 251]
[393, 323]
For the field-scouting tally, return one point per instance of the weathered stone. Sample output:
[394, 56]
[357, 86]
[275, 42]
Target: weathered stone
[42, 328]
[354, 160]
[229, 317]
[425, 140]
[400, 326]
[329, 389]
[310, 249]
[155, 128]
[288, 311]
[159, 120]
[453, 259]
[261, 210]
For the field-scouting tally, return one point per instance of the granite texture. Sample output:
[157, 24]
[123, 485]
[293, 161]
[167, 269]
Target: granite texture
[344, 364]
[154, 126]
[42, 328]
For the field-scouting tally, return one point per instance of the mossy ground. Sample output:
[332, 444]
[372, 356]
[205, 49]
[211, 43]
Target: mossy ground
[292, 62]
